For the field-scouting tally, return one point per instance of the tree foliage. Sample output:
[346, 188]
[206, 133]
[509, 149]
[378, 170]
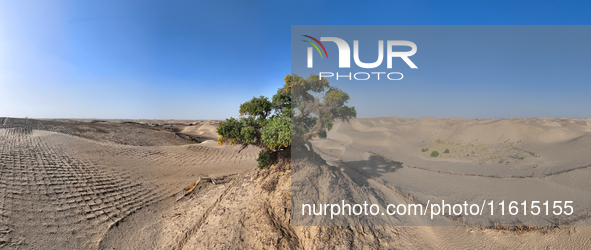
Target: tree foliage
[301, 109]
[316, 105]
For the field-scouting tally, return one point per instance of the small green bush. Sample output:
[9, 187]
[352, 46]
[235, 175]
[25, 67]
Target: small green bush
[446, 151]
[423, 150]
[266, 158]
[434, 153]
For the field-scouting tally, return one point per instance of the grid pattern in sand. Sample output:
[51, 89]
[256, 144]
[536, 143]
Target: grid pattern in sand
[50, 198]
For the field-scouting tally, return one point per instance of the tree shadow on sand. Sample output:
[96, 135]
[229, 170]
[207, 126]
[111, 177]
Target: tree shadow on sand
[372, 168]
[376, 166]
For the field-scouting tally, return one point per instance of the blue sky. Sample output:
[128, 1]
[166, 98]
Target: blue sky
[201, 59]
[463, 70]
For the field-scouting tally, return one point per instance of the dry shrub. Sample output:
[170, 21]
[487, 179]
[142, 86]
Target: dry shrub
[270, 185]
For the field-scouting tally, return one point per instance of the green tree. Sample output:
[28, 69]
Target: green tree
[301, 109]
[316, 105]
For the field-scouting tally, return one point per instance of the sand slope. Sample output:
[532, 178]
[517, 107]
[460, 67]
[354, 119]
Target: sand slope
[490, 159]
[84, 186]
[252, 211]
[64, 191]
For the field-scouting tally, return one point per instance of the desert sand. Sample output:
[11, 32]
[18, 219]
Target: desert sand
[65, 183]
[112, 184]
[489, 159]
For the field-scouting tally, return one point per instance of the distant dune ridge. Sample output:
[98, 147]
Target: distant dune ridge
[554, 140]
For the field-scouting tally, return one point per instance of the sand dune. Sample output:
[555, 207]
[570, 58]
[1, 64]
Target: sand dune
[207, 129]
[488, 159]
[64, 184]
[111, 184]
